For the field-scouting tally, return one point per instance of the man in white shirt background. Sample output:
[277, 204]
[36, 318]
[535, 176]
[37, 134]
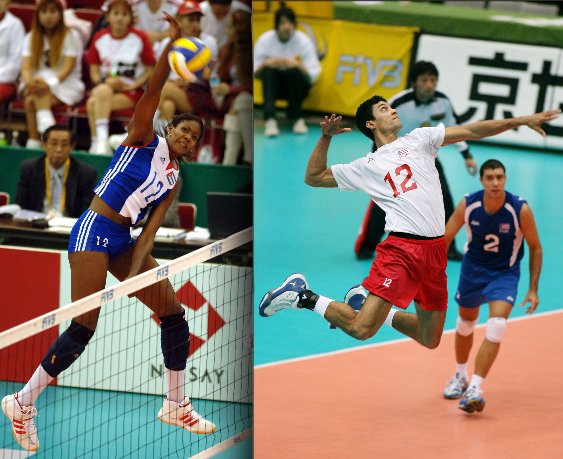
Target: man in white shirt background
[286, 61]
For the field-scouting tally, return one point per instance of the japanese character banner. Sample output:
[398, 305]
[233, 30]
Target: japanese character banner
[488, 80]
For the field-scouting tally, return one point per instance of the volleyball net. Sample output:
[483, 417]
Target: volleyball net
[106, 403]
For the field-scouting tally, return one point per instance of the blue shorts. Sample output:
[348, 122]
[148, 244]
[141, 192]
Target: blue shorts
[478, 285]
[96, 233]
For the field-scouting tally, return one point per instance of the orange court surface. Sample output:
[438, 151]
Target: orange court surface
[386, 401]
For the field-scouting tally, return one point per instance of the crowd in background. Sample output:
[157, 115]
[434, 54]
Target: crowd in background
[90, 60]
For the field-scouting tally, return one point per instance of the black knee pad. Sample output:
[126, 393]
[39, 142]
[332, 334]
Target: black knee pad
[175, 341]
[66, 349]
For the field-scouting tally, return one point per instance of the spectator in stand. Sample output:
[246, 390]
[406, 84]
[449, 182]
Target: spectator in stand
[286, 61]
[179, 95]
[51, 68]
[148, 17]
[12, 33]
[121, 61]
[216, 14]
[56, 183]
[235, 71]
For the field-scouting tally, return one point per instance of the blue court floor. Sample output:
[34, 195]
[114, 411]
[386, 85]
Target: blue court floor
[76, 423]
[312, 231]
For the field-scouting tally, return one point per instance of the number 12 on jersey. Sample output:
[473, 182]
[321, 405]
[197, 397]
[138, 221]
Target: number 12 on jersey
[405, 185]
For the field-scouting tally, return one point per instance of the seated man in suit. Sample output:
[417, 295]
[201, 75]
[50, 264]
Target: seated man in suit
[56, 183]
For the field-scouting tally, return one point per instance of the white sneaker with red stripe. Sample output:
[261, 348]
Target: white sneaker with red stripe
[21, 417]
[183, 415]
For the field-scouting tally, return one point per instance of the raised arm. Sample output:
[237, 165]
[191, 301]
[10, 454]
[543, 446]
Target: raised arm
[317, 173]
[488, 128]
[455, 222]
[140, 130]
[530, 232]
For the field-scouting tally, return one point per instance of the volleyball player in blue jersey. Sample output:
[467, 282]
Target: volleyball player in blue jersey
[497, 222]
[143, 173]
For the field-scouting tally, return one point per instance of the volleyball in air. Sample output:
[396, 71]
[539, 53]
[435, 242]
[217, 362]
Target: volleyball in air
[189, 58]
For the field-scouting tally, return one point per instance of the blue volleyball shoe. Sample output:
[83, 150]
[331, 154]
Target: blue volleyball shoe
[283, 297]
[354, 298]
[471, 400]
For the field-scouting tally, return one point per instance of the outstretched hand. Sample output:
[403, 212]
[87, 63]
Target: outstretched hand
[331, 126]
[175, 30]
[532, 298]
[539, 118]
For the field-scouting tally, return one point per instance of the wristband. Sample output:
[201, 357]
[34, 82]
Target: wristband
[52, 81]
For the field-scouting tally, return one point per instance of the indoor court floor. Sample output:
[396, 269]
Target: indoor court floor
[322, 394]
[105, 424]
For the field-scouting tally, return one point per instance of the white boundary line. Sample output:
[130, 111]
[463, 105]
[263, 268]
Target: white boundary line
[224, 445]
[53, 318]
[387, 343]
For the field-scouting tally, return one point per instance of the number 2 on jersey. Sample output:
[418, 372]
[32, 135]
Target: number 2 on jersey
[405, 186]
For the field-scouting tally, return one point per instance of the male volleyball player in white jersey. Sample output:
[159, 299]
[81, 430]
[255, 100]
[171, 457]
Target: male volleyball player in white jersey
[411, 263]
[143, 172]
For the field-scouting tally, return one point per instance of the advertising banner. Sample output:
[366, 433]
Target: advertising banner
[488, 80]
[358, 61]
[128, 357]
[125, 352]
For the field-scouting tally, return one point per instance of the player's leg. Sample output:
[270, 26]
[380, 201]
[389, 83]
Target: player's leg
[361, 325]
[463, 342]
[19, 407]
[425, 327]
[488, 351]
[175, 342]
[499, 291]
[494, 333]
[294, 293]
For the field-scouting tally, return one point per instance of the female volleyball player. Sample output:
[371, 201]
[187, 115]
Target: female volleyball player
[143, 172]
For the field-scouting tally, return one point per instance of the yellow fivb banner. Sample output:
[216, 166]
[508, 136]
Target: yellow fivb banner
[358, 61]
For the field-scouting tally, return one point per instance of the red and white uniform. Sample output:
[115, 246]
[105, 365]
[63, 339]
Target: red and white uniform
[402, 178]
[125, 57]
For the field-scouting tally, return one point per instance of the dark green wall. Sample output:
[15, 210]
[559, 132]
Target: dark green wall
[197, 179]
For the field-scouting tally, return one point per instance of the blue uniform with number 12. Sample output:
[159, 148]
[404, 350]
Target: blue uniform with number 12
[137, 177]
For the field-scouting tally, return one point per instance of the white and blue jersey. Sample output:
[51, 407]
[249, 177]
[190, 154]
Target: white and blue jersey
[490, 268]
[493, 241]
[138, 177]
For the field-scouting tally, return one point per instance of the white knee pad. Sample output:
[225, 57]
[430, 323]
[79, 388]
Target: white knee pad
[494, 331]
[464, 327]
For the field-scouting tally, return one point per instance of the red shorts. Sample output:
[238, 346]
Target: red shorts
[134, 95]
[7, 92]
[407, 269]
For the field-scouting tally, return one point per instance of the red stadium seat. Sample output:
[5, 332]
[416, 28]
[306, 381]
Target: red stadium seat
[4, 198]
[25, 12]
[93, 4]
[187, 212]
[90, 15]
